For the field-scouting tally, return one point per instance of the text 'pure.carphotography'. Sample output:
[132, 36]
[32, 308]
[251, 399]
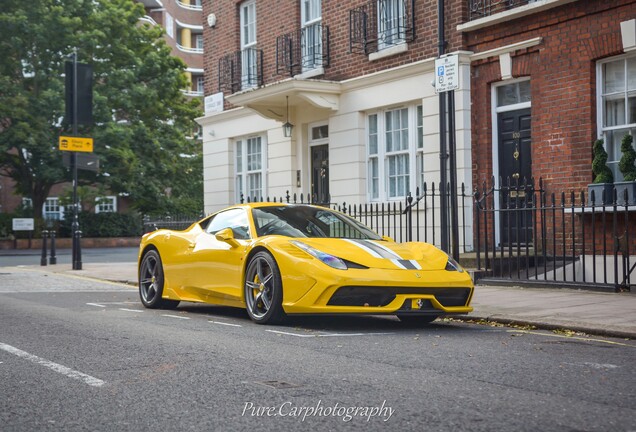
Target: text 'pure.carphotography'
[320, 409]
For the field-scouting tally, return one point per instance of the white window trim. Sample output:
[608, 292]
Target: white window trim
[399, 40]
[247, 44]
[382, 156]
[304, 23]
[264, 169]
[59, 212]
[113, 199]
[600, 109]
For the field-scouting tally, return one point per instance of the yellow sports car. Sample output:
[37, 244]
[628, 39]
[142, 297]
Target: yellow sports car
[279, 259]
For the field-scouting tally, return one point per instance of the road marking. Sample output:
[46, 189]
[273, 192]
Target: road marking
[225, 324]
[96, 305]
[130, 310]
[290, 334]
[327, 334]
[351, 334]
[571, 337]
[175, 316]
[87, 379]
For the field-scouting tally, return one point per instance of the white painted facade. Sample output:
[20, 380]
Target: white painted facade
[345, 107]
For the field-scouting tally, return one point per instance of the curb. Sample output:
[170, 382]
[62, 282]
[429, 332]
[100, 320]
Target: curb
[548, 325]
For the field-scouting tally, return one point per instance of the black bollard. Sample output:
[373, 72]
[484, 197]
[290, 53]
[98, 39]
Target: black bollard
[53, 257]
[77, 264]
[43, 258]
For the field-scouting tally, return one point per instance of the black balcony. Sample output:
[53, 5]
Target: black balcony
[380, 24]
[483, 8]
[302, 50]
[241, 70]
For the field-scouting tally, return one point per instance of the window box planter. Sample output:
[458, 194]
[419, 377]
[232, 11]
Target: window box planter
[621, 187]
[603, 194]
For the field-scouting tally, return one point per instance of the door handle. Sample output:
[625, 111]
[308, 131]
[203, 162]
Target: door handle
[191, 245]
[515, 176]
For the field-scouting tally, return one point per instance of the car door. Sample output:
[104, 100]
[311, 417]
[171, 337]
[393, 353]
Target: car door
[216, 270]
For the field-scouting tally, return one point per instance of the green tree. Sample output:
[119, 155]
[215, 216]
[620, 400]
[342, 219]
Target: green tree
[141, 117]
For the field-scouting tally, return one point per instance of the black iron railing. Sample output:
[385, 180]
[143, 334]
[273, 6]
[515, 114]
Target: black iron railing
[568, 239]
[483, 8]
[380, 24]
[241, 70]
[414, 219]
[302, 50]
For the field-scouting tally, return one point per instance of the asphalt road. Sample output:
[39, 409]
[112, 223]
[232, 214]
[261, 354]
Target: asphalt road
[78, 354]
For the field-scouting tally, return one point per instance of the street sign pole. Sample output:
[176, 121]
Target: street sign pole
[443, 152]
[75, 228]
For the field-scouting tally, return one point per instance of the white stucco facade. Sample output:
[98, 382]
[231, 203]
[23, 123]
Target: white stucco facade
[345, 108]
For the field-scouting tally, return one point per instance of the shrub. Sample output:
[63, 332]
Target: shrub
[602, 173]
[103, 224]
[626, 165]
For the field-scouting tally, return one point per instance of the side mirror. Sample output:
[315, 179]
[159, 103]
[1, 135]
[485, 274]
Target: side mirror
[388, 239]
[226, 235]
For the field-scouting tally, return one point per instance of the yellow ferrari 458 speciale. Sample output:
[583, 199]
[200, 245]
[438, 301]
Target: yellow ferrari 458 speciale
[279, 259]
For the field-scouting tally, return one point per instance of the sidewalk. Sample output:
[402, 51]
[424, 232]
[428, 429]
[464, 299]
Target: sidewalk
[607, 314]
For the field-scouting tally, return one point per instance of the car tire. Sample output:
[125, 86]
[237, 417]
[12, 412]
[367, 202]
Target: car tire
[417, 319]
[151, 280]
[263, 289]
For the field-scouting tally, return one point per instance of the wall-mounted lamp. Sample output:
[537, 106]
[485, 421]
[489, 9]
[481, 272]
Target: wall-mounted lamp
[211, 20]
[287, 127]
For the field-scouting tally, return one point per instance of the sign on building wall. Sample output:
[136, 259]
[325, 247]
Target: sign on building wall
[214, 103]
[447, 73]
[23, 224]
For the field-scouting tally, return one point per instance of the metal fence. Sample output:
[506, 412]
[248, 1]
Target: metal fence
[416, 218]
[527, 235]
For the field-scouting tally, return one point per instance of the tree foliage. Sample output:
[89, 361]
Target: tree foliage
[141, 117]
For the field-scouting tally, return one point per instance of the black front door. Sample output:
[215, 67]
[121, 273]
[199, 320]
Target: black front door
[320, 173]
[515, 173]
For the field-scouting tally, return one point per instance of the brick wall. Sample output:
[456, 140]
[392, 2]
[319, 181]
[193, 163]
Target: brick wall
[277, 18]
[563, 80]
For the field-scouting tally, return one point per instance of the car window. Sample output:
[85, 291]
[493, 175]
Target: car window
[236, 219]
[308, 221]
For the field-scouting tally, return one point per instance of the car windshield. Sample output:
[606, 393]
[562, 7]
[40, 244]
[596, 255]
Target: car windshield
[308, 221]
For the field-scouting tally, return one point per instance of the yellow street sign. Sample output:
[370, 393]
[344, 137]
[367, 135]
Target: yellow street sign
[77, 144]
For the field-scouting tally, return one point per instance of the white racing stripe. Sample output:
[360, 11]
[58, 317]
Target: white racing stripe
[87, 379]
[378, 250]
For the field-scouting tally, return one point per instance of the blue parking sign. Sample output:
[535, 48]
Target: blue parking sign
[440, 71]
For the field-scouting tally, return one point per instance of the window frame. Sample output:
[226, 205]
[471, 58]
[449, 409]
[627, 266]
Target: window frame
[52, 202]
[616, 131]
[311, 26]
[385, 30]
[242, 172]
[111, 206]
[249, 61]
[379, 155]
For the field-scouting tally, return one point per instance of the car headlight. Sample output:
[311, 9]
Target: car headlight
[453, 265]
[326, 258]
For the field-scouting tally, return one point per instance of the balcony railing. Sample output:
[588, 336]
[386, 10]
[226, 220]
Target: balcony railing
[302, 50]
[241, 70]
[190, 6]
[381, 24]
[483, 8]
[190, 49]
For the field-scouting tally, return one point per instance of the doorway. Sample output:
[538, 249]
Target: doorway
[515, 173]
[320, 173]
